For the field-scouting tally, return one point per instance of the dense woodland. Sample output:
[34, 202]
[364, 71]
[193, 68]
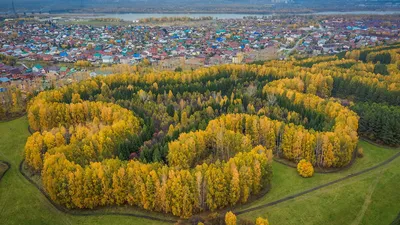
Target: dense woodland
[192, 141]
[379, 122]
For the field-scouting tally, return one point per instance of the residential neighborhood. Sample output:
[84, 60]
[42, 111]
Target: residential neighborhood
[46, 49]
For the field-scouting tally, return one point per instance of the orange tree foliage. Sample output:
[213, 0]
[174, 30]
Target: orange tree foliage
[230, 218]
[305, 168]
[261, 221]
[78, 131]
[74, 150]
[325, 149]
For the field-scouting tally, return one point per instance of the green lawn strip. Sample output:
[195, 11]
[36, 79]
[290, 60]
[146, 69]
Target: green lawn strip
[23, 203]
[385, 202]
[286, 180]
[342, 203]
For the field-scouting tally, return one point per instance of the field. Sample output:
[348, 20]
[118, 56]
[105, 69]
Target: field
[3, 169]
[370, 198]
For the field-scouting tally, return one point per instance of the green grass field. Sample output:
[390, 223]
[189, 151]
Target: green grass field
[3, 168]
[372, 198]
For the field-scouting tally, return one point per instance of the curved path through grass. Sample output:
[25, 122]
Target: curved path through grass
[4, 167]
[337, 198]
[319, 186]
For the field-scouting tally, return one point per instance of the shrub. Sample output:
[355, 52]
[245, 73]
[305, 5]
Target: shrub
[305, 168]
[230, 218]
[261, 221]
[360, 152]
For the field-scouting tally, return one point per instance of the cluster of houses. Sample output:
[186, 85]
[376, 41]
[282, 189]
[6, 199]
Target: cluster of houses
[49, 42]
[205, 44]
[338, 34]
[24, 77]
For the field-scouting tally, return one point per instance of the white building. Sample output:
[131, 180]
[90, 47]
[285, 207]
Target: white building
[108, 59]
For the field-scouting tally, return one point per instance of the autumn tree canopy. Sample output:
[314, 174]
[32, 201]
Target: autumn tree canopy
[190, 141]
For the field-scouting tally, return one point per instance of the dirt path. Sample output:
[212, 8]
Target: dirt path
[368, 200]
[396, 221]
[5, 171]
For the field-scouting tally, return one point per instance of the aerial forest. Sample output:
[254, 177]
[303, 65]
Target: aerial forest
[185, 142]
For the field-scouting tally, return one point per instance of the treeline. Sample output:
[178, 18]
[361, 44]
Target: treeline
[309, 62]
[359, 82]
[12, 104]
[78, 136]
[379, 122]
[361, 91]
[206, 136]
[190, 111]
[368, 54]
[108, 19]
[156, 187]
[333, 148]
[173, 19]
[83, 131]
[374, 84]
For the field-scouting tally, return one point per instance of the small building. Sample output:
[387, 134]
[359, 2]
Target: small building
[47, 57]
[108, 59]
[97, 55]
[238, 58]
[64, 71]
[4, 80]
[125, 60]
[37, 68]
[54, 69]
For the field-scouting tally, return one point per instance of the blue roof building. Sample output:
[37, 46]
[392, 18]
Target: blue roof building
[4, 79]
[63, 54]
